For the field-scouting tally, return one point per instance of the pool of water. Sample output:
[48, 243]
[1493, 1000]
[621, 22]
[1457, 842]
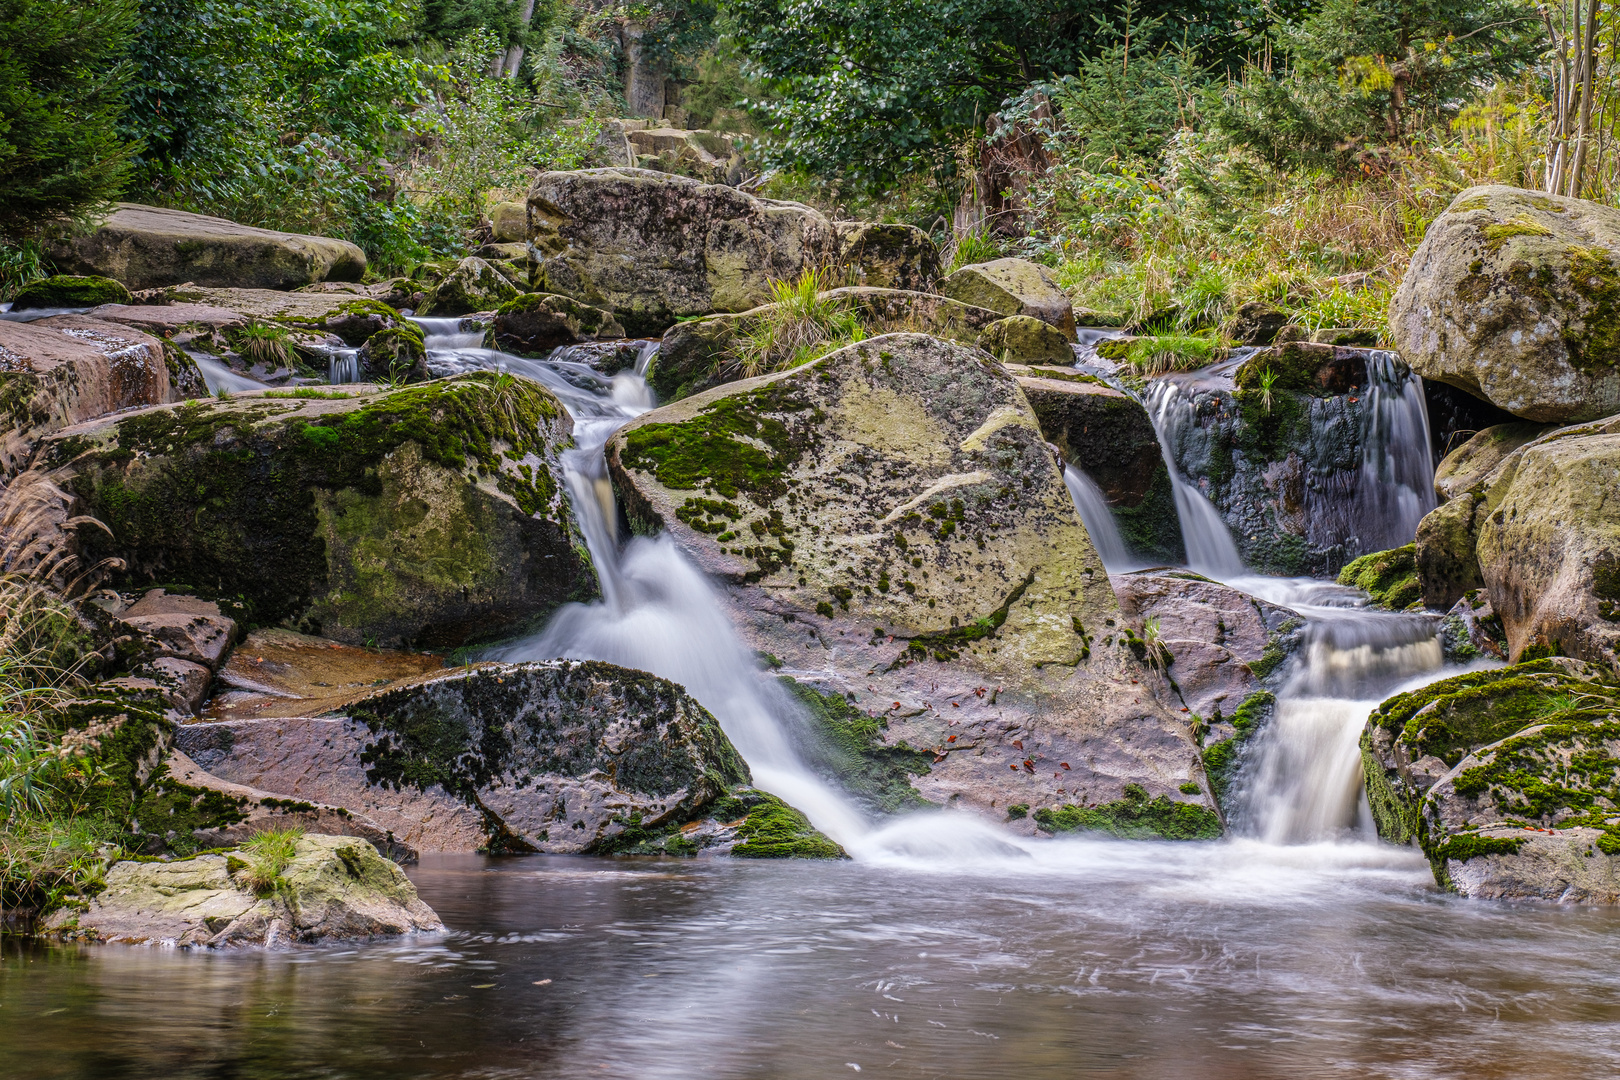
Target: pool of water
[1078, 959]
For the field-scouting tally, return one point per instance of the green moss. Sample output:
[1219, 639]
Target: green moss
[1267, 435]
[1388, 577]
[1469, 846]
[1152, 527]
[67, 291]
[1223, 760]
[847, 746]
[1606, 585]
[1596, 345]
[1397, 818]
[775, 830]
[1135, 817]
[1498, 234]
[1275, 653]
[396, 350]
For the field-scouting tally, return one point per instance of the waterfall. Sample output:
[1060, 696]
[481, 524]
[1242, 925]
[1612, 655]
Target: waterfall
[343, 366]
[217, 376]
[1210, 550]
[1092, 504]
[1395, 487]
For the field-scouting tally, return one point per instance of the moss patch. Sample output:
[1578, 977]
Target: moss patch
[1389, 577]
[1135, 817]
[69, 291]
[774, 830]
[848, 745]
[1223, 760]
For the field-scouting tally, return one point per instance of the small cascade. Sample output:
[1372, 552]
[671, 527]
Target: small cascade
[343, 366]
[217, 376]
[1210, 550]
[1395, 487]
[1098, 517]
[446, 334]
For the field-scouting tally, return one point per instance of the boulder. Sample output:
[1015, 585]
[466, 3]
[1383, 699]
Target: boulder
[395, 353]
[333, 888]
[181, 627]
[1389, 578]
[652, 247]
[432, 514]
[888, 256]
[890, 525]
[1444, 556]
[563, 756]
[200, 325]
[474, 285]
[1515, 296]
[1021, 339]
[1256, 323]
[1471, 466]
[65, 291]
[1013, 287]
[1505, 778]
[1109, 436]
[509, 223]
[536, 323]
[342, 314]
[62, 370]
[146, 247]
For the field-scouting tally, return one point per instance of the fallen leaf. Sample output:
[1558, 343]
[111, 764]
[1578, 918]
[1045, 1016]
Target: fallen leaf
[542, 982]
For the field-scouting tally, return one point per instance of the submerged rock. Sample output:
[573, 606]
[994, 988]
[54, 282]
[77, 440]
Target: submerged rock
[146, 247]
[651, 247]
[1013, 287]
[894, 531]
[1515, 296]
[332, 888]
[431, 515]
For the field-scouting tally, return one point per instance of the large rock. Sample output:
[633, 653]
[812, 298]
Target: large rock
[652, 247]
[473, 285]
[1022, 339]
[536, 323]
[888, 256]
[59, 371]
[563, 757]
[345, 315]
[1109, 436]
[333, 888]
[1506, 779]
[146, 247]
[66, 291]
[1515, 296]
[432, 515]
[892, 528]
[1013, 287]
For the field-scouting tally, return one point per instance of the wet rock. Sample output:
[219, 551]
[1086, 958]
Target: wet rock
[892, 528]
[280, 673]
[888, 256]
[1471, 630]
[62, 370]
[1109, 437]
[352, 318]
[1389, 578]
[334, 888]
[1013, 287]
[474, 285]
[67, 291]
[1512, 296]
[431, 515]
[652, 247]
[400, 352]
[145, 247]
[1304, 367]
[1445, 560]
[536, 323]
[1021, 339]
[201, 325]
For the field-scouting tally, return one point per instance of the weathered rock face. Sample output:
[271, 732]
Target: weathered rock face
[1508, 779]
[1020, 339]
[536, 323]
[345, 315]
[334, 888]
[707, 156]
[1109, 436]
[1515, 296]
[895, 531]
[888, 256]
[66, 291]
[652, 247]
[431, 515]
[474, 285]
[146, 247]
[59, 371]
[1013, 287]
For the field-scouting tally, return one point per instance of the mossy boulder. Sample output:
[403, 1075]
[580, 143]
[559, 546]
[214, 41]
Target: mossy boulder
[399, 352]
[536, 323]
[68, 291]
[66, 369]
[1514, 296]
[473, 285]
[1389, 578]
[887, 256]
[890, 518]
[1256, 323]
[1305, 368]
[1134, 816]
[146, 247]
[431, 515]
[1508, 779]
[1023, 339]
[1013, 287]
[651, 247]
[348, 316]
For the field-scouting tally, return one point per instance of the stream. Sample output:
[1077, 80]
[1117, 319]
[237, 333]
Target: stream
[1298, 947]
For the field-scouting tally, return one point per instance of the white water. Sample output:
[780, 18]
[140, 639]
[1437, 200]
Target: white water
[217, 376]
[1098, 517]
[1210, 550]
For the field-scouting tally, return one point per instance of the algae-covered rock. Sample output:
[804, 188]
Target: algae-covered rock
[68, 291]
[1023, 339]
[891, 526]
[473, 285]
[1013, 287]
[332, 888]
[887, 256]
[1303, 367]
[652, 247]
[146, 247]
[400, 351]
[1389, 578]
[1256, 323]
[536, 323]
[59, 371]
[1134, 816]
[1515, 296]
[431, 515]
[1444, 556]
[1109, 436]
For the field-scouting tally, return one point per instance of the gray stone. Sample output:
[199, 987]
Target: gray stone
[1013, 287]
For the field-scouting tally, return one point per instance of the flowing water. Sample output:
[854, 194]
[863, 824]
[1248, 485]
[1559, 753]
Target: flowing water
[1298, 948]
[1210, 549]
[1094, 511]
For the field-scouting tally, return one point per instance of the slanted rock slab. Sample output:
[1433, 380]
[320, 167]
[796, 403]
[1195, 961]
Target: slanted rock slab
[1013, 287]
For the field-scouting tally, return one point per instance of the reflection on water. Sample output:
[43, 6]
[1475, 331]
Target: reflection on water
[1098, 959]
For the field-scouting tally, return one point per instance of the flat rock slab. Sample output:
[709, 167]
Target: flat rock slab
[146, 247]
[282, 673]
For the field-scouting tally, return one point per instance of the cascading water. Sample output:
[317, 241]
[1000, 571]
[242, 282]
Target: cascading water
[217, 376]
[1395, 487]
[1094, 511]
[1210, 549]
